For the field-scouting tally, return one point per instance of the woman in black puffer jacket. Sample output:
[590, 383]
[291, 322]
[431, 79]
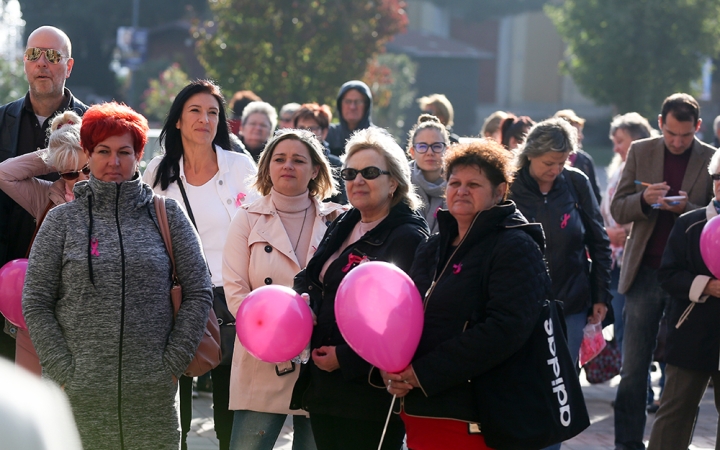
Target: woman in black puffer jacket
[561, 199]
[486, 282]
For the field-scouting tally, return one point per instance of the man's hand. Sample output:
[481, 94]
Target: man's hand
[678, 208]
[599, 312]
[653, 193]
[617, 236]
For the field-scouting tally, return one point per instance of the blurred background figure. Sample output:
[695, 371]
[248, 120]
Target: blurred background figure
[316, 119]
[581, 159]
[259, 120]
[34, 414]
[491, 128]
[427, 142]
[288, 110]
[238, 102]
[513, 131]
[439, 106]
[716, 132]
[354, 105]
[18, 179]
[624, 129]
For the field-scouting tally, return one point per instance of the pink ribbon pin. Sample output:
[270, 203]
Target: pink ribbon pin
[238, 200]
[94, 247]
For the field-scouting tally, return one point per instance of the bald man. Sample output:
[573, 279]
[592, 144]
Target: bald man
[23, 129]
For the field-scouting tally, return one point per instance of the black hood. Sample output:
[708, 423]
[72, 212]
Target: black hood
[365, 90]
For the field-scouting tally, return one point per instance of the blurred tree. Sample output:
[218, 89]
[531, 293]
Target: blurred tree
[293, 50]
[13, 83]
[92, 27]
[162, 91]
[633, 54]
[391, 78]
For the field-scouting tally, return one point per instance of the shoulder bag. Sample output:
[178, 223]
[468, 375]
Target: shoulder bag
[208, 354]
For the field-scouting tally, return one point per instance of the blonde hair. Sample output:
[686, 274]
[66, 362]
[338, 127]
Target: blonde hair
[381, 141]
[442, 106]
[64, 147]
[321, 187]
[492, 123]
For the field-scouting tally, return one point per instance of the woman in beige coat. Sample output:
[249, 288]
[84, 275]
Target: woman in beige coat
[269, 242]
[37, 196]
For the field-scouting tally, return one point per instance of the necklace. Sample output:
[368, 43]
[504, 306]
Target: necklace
[301, 230]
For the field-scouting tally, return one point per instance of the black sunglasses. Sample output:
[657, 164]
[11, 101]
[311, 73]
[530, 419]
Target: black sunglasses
[369, 173]
[34, 53]
[75, 173]
[715, 176]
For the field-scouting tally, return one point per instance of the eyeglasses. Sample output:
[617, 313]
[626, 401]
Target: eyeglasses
[437, 147]
[34, 53]
[315, 130]
[715, 176]
[369, 173]
[75, 173]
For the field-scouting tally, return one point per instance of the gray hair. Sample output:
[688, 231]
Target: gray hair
[550, 135]
[264, 108]
[381, 141]
[714, 165]
[716, 123]
[290, 108]
[634, 124]
[64, 146]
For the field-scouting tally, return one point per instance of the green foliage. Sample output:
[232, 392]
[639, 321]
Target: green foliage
[92, 27]
[162, 91]
[293, 50]
[633, 54]
[13, 83]
[391, 78]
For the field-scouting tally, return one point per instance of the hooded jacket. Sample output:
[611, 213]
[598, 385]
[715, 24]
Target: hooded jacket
[340, 132]
[573, 226]
[482, 300]
[345, 392]
[97, 304]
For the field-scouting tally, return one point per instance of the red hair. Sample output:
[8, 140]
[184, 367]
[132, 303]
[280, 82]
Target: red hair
[320, 114]
[113, 119]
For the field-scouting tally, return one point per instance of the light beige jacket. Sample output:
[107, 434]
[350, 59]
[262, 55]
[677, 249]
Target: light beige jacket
[258, 252]
[17, 180]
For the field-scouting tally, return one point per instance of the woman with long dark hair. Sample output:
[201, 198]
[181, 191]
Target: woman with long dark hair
[210, 183]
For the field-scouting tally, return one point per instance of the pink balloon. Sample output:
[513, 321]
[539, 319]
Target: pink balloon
[710, 245]
[380, 314]
[12, 278]
[274, 323]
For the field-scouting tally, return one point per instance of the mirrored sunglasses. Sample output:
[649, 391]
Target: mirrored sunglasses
[369, 173]
[75, 173]
[34, 53]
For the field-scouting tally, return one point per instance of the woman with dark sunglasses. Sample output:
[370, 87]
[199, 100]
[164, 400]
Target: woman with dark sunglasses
[18, 179]
[346, 412]
[427, 142]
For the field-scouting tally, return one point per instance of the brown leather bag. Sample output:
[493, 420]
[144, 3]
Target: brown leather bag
[208, 355]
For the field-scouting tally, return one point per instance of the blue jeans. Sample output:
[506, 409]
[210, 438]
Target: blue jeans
[644, 306]
[575, 324]
[254, 430]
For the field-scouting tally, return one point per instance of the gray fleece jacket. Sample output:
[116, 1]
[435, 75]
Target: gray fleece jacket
[97, 304]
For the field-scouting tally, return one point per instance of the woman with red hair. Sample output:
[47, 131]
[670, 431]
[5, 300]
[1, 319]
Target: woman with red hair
[97, 294]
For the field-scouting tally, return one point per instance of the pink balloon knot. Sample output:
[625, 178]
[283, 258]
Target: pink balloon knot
[457, 268]
[238, 200]
[94, 247]
[354, 259]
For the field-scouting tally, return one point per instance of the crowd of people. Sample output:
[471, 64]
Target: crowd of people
[489, 228]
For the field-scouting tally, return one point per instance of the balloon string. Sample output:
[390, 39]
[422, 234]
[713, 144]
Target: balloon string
[382, 438]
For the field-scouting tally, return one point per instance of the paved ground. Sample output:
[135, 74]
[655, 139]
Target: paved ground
[600, 435]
